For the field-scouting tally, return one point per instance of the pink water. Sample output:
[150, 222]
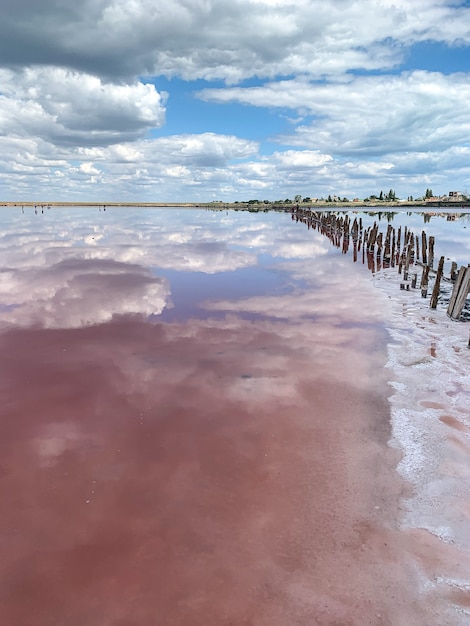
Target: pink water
[229, 467]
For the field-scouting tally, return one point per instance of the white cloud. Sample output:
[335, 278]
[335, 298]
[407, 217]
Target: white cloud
[374, 114]
[231, 41]
[78, 120]
[71, 108]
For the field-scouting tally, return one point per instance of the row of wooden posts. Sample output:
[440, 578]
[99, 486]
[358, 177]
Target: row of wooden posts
[390, 249]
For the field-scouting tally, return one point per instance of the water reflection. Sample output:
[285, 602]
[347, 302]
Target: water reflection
[384, 249]
[77, 292]
[384, 244]
[212, 468]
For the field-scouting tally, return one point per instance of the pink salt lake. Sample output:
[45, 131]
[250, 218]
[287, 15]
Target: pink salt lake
[194, 428]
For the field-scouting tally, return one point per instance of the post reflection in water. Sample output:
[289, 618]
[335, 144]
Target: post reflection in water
[386, 249]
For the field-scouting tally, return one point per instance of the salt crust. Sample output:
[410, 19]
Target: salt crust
[428, 362]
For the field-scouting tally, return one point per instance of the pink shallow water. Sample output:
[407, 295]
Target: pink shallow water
[206, 473]
[227, 466]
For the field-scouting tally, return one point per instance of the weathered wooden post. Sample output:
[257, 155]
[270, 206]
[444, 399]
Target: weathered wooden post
[424, 248]
[453, 271]
[437, 284]
[372, 237]
[379, 244]
[459, 293]
[409, 252]
[424, 281]
[431, 251]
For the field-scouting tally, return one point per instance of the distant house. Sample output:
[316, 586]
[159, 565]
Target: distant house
[455, 196]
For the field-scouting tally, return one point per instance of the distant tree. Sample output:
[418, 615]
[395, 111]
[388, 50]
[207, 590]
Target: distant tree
[381, 197]
[298, 198]
[287, 201]
[329, 199]
[428, 193]
[307, 199]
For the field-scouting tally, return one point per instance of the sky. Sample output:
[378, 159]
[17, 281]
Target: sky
[201, 100]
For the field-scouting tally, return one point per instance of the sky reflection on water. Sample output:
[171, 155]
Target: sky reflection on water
[194, 424]
[148, 261]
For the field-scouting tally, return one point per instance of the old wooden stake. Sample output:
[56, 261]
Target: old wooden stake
[437, 284]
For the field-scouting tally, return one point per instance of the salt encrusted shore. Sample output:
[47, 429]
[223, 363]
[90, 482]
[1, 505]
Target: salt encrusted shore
[430, 403]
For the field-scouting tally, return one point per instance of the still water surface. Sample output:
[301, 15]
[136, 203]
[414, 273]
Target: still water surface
[195, 424]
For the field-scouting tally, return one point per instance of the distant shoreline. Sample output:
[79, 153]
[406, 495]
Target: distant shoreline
[333, 206]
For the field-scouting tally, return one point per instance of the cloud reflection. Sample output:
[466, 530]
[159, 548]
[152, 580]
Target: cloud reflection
[78, 292]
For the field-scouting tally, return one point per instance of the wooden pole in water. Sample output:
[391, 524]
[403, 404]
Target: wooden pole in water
[424, 281]
[437, 284]
[459, 293]
[424, 248]
[453, 272]
[409, 251]
[431, 251]
[379, 244]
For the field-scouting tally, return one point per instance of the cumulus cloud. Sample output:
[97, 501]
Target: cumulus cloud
[218, 40]
[72, 108]
[79, 113]
[371, 114]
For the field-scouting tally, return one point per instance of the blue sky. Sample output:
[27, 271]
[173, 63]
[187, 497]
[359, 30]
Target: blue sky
[197, 100]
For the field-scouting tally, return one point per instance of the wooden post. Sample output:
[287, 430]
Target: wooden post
[372, 237]
[437, 284]
[424, 281]
[379, 244]
[409, 252]
[459, 293]
[431, 251]
[424, 248]
[453, 271]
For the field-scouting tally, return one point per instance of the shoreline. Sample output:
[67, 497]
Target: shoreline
[430, 423]
[272, 206]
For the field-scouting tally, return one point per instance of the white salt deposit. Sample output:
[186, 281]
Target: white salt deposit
[430, 403]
